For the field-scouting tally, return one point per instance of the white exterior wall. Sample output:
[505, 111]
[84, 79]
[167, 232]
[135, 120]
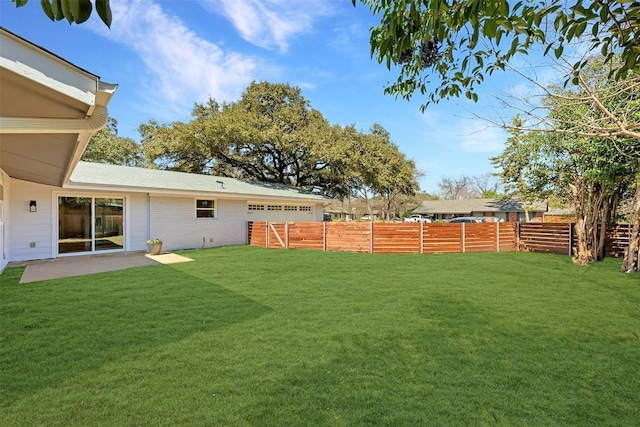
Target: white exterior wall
[26, 228]
[4, 220]
[41, 227]
[318, 212]
[173, 219]
[315, 214]
[137, 222]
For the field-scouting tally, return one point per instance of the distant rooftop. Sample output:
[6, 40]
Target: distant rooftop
[469, 206]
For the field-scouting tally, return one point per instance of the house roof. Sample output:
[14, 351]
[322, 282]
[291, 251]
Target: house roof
[562, 212]
[49, 109]
[469, 206]
[99, 176]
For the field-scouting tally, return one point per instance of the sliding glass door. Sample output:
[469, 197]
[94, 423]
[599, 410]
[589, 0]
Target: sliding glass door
[90, 224]
[109, 218]
[74, 224]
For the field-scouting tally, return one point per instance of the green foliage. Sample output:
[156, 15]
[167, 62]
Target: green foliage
[310, 338]
[475, 38]
[581, 157]
[77, 11]
[107, 147]
[539, 165]
[273, 135]
[582, 142]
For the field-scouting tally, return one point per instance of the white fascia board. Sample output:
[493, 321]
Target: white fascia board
[47, 70]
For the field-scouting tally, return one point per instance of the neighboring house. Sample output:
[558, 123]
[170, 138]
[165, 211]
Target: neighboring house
[51, 204]
[338, 210]
[561, 215]
[349, 210]
[493, 209]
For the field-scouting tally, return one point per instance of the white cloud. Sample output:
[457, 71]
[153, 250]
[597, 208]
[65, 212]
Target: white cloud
[467, 134]
[180, 67]
[270, 23]
[477, 137]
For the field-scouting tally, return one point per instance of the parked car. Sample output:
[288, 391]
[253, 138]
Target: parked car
[365, 217]
[417, 218]
[468, 219]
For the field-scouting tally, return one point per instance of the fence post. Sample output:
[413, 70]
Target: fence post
[497, 236]
[517, 237]
[371, 236]
[324, 236]
[266, 226]
[464, 240]
[421, 224]
[286, 235]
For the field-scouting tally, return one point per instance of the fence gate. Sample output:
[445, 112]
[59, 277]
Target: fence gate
[277, 235]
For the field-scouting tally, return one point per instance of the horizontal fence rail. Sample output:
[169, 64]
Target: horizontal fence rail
[424, 238]
[560, 238]
[372, 237]
[617, 239]
[546, 237]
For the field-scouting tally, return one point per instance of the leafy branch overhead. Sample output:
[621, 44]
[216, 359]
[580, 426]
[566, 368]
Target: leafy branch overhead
[459, 43]
[77, 11]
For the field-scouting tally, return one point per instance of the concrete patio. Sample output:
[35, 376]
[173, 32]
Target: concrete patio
[89, 264]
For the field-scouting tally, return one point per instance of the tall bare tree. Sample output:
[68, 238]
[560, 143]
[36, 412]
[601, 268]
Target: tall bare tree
[485, 185]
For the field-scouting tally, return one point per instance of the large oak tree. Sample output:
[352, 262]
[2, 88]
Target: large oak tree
[106, 146]
[273, 135]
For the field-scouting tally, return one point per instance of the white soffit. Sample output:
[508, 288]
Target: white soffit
[49, 109]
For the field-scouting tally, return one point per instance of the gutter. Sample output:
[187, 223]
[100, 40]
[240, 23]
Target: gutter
[20, 125]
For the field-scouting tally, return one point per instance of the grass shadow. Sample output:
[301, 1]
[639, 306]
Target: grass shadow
[57, 329]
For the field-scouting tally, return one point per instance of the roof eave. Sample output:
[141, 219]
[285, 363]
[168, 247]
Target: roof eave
[156, 191]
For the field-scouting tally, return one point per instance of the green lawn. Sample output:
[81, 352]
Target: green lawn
[251, 336]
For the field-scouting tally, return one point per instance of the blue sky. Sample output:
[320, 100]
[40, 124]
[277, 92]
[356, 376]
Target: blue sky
[168, 54]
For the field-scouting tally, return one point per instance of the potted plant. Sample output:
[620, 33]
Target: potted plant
[154, 246]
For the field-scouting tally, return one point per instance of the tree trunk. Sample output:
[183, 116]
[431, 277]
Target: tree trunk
[582, 254]
[602, 230]
[631, 254]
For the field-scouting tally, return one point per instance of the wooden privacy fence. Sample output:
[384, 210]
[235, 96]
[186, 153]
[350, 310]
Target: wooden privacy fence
[374, 237]
[561, 239]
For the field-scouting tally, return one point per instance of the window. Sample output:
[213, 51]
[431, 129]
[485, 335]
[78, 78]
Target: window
[253, 207]
[274, 207]
[290, 208]
[305, 208]
[205, 208]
